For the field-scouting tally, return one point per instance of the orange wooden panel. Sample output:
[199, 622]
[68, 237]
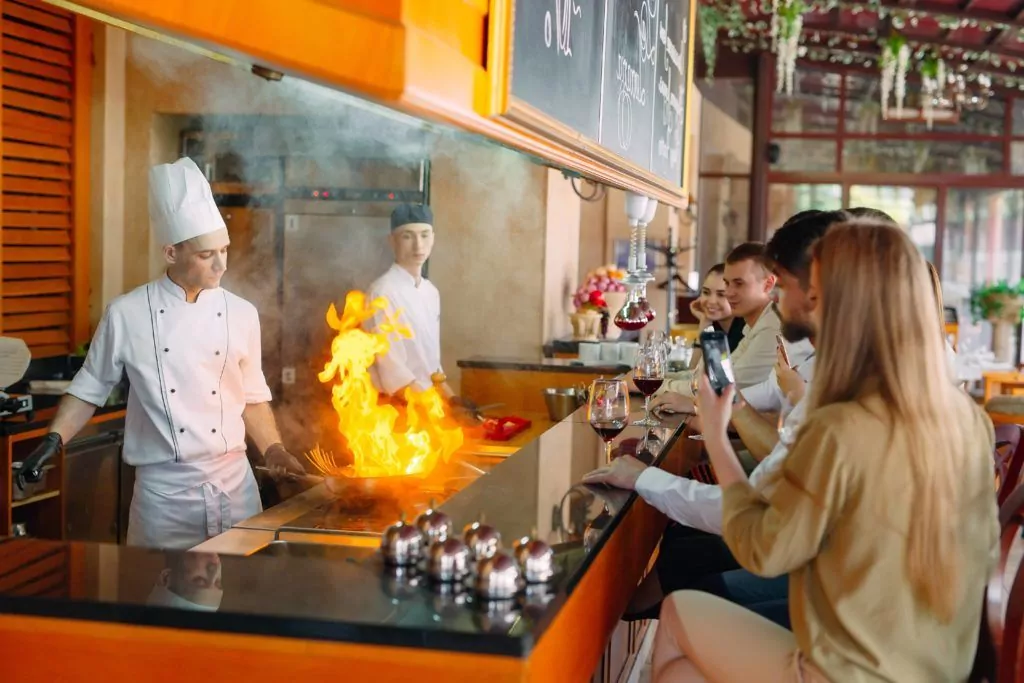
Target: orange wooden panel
[23, 237]
[17, 219]
[30, 169]
[12, 271]
[32, 15]
[23, 119]
[129, 653]
[41, 6]
[518, 390]
[47, 350]
[25, 202]
[13, 323]
[20, 100]
[27, 50]
[37, 86]
[43, 337]
[20, 134]
[80, 153]
[17, 150]
[31, 254]
[15, 62]
[37, 187]
[37, 304]
[36, 287]
[47, 38]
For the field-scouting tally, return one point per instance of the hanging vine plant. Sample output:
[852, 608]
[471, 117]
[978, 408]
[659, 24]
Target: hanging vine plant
[787, 26]
[894, 60]
[933, 80]
[710, 20]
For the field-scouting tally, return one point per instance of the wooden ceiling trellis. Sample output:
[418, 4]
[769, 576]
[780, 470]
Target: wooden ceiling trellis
[972, 36]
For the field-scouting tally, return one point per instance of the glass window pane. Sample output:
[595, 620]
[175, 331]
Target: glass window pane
[922, 156]
[796, 154]
[727, 122]
[914, 208]
[1018, 116]
[1017, 158]
[812, 108]
[864, 112]
[785, 200]
[982, 241]
[724, 218]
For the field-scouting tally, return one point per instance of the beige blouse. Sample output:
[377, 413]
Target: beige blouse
[838, 522]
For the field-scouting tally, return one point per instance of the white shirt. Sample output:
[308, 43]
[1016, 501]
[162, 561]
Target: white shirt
[766, 396]
[752, 361]
[192, 367]
[418, 306]
[699, 505]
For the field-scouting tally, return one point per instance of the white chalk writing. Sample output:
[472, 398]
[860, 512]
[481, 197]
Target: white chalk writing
[565, 10]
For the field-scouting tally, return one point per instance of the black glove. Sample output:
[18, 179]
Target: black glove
[31, 471]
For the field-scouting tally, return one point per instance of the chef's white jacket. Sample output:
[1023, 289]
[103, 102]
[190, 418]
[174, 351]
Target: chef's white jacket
[417, 306]
[193, 368]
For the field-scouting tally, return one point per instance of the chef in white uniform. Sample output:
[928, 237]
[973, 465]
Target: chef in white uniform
[193, 358]
[410, 362]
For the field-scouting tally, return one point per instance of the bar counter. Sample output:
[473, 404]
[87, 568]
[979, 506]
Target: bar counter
[326, 604]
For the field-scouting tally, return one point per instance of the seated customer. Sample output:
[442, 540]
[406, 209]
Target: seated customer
[712, 308]
[882, 514]
[695, 552]
[749, 286]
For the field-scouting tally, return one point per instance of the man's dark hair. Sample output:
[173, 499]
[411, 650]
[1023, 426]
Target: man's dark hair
[748, 251]
[867, 213]
[789, 248]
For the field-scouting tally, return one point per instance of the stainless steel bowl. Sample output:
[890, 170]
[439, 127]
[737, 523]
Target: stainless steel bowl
[402, 545]
[561, 403]
[449, 561]
[482, 540]
[497, 577]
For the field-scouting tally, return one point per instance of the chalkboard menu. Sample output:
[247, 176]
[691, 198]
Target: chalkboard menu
[612, 70]
[556, 60]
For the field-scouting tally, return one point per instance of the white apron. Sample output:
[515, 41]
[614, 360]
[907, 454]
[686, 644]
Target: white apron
[180, 505]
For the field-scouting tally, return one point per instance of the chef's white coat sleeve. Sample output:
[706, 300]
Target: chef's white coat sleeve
[254, 382]
[104, 365]
[391, 368]
[683, 500]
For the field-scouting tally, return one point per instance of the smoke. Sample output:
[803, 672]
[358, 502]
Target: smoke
[487, 200]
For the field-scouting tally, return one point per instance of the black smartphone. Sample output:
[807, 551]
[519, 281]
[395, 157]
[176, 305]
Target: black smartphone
[715, 347]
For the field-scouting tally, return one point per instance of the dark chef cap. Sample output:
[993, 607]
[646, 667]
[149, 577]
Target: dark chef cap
[411, 213]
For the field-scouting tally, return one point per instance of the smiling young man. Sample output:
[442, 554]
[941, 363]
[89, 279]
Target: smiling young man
[192, 354]
[748, 285]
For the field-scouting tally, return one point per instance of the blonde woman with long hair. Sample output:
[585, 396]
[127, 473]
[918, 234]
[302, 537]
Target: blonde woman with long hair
[883, 517]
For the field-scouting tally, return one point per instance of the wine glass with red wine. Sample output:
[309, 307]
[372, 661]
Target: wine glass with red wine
[649, 375]
[608, 410]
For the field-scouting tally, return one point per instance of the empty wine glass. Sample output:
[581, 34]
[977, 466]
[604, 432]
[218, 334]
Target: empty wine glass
[649, 375]
[694, 388]
[608, 410]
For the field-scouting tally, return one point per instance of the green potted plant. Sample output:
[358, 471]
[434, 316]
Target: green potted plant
[1002, 305]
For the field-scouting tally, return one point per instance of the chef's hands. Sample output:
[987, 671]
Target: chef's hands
[621, 473]
[281, 463]
[672, 401]
[715, 411]
[31, 471]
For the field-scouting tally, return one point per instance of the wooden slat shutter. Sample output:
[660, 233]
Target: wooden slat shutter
[44, 87]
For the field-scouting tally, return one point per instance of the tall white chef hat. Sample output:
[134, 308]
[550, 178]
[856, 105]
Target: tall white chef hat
[181, 202]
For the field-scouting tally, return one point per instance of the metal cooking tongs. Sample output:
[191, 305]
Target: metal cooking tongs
[293, 476]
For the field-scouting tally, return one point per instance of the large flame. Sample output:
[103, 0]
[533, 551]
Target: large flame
[384, 439]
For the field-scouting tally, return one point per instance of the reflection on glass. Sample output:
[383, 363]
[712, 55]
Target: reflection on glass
[982, 241]
[727, 117]
[189, 581]
[914, 208]
[814, 105]
[923, 156]
[797, 154]
[724, 218]
[784, 200]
